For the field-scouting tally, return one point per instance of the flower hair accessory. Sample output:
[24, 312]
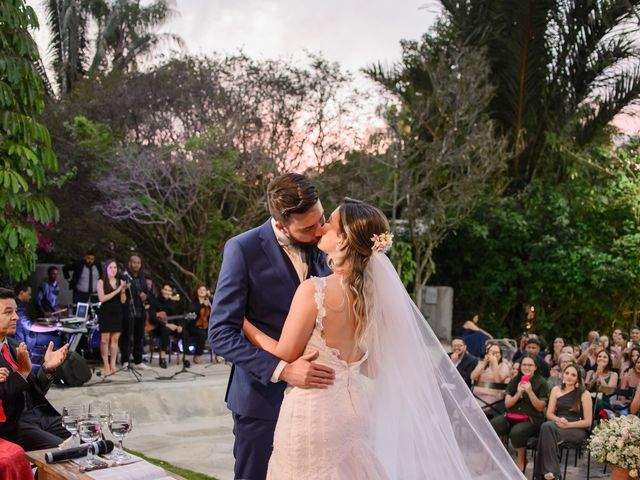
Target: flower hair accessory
[382, 242]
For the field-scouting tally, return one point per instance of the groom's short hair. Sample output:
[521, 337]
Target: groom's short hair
[290, 193]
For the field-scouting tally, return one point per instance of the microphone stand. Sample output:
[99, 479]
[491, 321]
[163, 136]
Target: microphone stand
[184, 368]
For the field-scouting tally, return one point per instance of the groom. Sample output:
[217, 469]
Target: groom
[261, 270]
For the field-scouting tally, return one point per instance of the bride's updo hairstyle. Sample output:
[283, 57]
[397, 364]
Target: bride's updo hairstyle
[359, 222]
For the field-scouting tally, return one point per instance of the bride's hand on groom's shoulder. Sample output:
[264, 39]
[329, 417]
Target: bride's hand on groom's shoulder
[306, 374]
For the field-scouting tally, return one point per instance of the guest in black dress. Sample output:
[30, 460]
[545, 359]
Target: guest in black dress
[112, 295]
[199, 327]
[569, 417]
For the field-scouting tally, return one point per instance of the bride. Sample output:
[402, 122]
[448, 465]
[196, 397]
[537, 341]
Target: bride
[398, 409]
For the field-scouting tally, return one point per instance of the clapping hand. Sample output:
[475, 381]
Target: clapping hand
[24, 362]
[4, 373]
[53, 359]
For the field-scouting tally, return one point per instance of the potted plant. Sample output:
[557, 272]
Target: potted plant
[617, 442]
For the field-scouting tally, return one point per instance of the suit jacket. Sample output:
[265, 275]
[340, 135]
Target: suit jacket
[76, 268]
[465, 366]
[17, 394]
[257, 281]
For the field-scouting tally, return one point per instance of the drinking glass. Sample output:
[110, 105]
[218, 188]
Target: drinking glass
[120, 425]
[100, 410]
[90, 431]
[71, 415]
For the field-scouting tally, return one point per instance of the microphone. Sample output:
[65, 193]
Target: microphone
[99, 448]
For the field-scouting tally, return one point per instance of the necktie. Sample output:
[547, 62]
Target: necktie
[7, 356]
[90, 289]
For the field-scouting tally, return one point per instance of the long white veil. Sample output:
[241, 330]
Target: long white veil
[425, 423]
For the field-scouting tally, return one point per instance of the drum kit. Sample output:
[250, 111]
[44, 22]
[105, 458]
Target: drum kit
[80, 331]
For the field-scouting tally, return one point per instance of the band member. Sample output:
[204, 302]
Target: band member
[22, 293]
[112, 295]
[133, 324]
[48, 292]
[84, 281]
[198, 329]
[161, 323]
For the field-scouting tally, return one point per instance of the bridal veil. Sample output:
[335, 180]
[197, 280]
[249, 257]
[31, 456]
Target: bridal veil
[425, 422]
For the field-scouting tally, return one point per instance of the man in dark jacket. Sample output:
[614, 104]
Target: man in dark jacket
[463, 360]
[26, 416]
[84, 279]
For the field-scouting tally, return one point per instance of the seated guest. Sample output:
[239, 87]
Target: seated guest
[591, 337]
[602, 379]
[29, 419]
[47, 299]
[631, 379]
[522, 346]
[634, 408]
[555, 380]
[22, 292]
[199, 328]
[569, 416]
[515, 370]
[552, 357]
[635, 336]
[619, 348]
[463, 362]
[491, 369]
[629, 358]
[533, 348]
[163, 318]
[588, 358]
[525, 401]
[475, 337]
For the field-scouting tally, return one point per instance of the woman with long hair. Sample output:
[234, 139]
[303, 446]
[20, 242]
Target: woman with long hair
[492, 369]
[553, 357]
[397, 408]
[602, 379]
[111, 294]
[569, 416]
[198, 328]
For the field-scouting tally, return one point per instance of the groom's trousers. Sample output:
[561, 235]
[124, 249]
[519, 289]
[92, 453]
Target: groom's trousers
[252, 447]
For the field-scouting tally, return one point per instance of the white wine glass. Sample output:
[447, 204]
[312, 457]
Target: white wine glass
[71, 415]
[100, 410]
[89, 431]
[120, 425]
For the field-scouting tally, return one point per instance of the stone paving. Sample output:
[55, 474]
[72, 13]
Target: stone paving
[185, 421]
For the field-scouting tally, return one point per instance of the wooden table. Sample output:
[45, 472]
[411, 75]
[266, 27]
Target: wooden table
[63, 470]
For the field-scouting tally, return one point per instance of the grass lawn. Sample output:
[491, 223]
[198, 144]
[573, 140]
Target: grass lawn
[183, 472]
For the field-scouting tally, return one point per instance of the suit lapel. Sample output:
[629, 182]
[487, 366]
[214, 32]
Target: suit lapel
[276, 255]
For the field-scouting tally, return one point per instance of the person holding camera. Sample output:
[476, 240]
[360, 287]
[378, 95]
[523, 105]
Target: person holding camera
[588, 359]
[112, 295]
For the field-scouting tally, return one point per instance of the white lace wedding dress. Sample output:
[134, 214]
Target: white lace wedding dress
[323, 433]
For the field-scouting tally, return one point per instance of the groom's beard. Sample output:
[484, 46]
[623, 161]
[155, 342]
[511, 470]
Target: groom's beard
[294, 242]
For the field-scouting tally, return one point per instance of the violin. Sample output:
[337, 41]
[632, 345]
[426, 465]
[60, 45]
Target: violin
[203, 317]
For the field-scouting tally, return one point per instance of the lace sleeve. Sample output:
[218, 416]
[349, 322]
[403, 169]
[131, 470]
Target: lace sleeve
[319, 284]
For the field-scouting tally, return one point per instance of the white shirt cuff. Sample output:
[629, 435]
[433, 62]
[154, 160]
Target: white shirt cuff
[275, 378]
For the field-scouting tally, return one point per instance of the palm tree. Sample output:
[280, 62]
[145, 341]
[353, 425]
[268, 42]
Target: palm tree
[67, 21]
[564, 66]
[125, 32]
[124, 35]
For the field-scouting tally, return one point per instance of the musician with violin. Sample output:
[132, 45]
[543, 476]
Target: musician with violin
[165, 314]
[199, 328]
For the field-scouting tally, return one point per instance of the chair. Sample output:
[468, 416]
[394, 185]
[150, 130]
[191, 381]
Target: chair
[494, 406]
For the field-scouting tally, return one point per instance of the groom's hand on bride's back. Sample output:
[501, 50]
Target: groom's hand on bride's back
[306, 374]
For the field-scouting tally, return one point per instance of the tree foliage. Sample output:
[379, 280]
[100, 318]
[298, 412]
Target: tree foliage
[25, 144]
[563, 66]
[571, 250]
[448, 153]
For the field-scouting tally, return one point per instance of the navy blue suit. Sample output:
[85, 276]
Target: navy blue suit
[257, 281]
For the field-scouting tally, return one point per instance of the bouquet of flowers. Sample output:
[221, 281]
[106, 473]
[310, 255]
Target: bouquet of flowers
[617, 441]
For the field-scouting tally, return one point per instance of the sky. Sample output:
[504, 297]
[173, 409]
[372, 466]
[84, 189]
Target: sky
[354, 33]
